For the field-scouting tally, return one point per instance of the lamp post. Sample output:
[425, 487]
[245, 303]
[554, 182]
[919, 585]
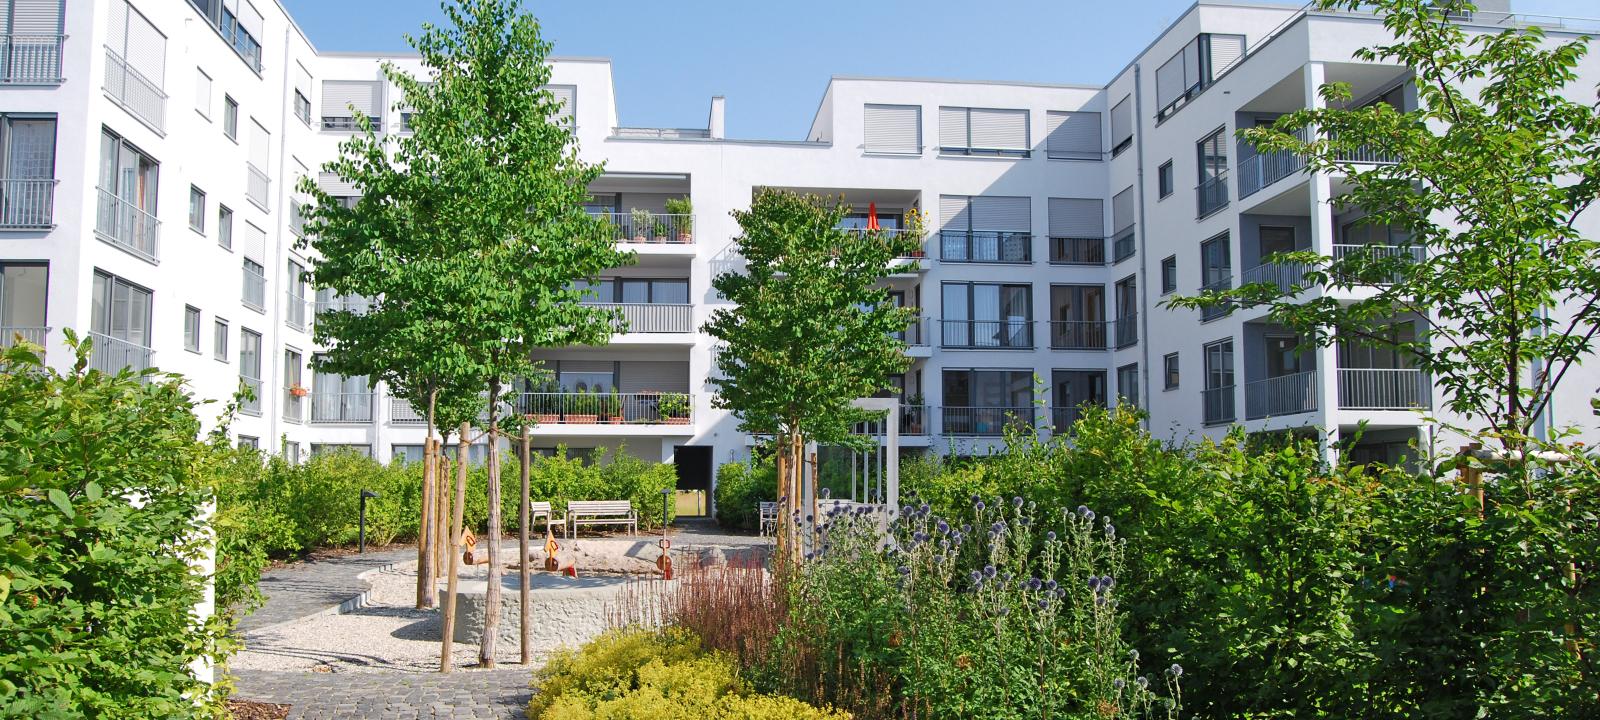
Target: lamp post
[361, 541]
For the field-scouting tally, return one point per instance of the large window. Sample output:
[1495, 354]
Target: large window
[1077, 231]
[119, 322]
[985, 402]
[1127, 299]
[1078, 317]
[983, 131]
[342, 99]
[1128, 384]
[1212, 152]
[1193, 68]
[1218, 394]
[27, 178]
[239, 23]
[127, 204]
[24, 288]
[656, 291]
[135, 64]
[986, 228]
[1070, 390]
[250, 369]
[1216, 273]
[987, 315]
[1072, 135]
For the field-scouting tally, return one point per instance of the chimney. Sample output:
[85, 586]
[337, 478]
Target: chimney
[714, 124]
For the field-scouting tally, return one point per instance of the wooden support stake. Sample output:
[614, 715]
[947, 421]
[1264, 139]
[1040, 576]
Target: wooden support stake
[522, 525]
[448, 641]
[780, 526]
[425, 533]
[1471, 476]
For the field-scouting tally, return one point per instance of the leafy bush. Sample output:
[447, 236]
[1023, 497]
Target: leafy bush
[103, 496]
[741, 488]
[634, 674]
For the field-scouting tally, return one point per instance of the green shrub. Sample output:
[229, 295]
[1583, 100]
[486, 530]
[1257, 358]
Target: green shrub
[635, 674]
[103, 495]
[741, 488]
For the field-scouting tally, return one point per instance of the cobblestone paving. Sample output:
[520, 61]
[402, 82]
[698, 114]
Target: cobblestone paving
[499, 693]
[306, 588]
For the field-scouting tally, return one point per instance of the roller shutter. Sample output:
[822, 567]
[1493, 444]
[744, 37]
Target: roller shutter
[1077, 217]
[1072, 135]
[895, 129]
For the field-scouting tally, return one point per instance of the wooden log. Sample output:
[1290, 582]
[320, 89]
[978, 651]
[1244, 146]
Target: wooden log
[425, 533]
[522, 526]
[447, 643]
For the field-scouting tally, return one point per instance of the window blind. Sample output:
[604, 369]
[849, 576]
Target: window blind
[338, 96]
[1001, 214]
[1122, 123]
[1122, 211]
[895, 129]
[1072, 135]
[567, 95]
[33, 17]
[1077, 217]
[993, 129]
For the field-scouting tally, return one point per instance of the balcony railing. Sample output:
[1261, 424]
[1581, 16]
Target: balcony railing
[294, 311]
[1260, 169]
[31, 59]
[1063, 418]
[1383, 389]
[1077, 251]
[255, 290]
[1283, 276]
[352, 304]
[1127, 330]
[654, 228]
[134, 92]
[986, 421]
[1282, 395]
[986, 334]
[27, 203]
[35, 335]
[604, 408]
[916, 334]
[252, 404]
[1214, 311]
[1078, 334]
[985, 247]
[1378, 253]
[112, 355]
[128, 226]
[1211, 194]
[651, 317]
[341, 408]
[257, 184]
[914, 420]
[294, 406]
[1217, 405]
[1365, 155]
[661, 133]
[348, 123]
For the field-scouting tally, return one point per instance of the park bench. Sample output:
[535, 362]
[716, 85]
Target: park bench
[767, 512]
[536, 509]
[600, 512]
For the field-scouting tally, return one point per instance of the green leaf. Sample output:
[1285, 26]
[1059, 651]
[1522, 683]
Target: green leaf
[59, 499]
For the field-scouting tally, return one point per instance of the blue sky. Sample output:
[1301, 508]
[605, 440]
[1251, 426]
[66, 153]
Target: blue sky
[772, 58]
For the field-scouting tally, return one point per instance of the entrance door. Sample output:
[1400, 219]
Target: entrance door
[693, 464]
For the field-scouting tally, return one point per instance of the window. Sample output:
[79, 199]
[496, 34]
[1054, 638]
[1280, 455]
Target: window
[1193, 68]
[1077, 231]
[325, 448]
[120, 310]
[191, 329]
[987, 315]
[239, 23]
[255, 285]
[1122, 126]
[291, 451]
[296, 280]
[28, 163]
[1073, 389]
[1078, 317]
[343, 99]
[23, 292]
[339, 399]
[250, 441]
[197, 210]
[250, 369]
[1216, 272]
[1212, 191]
[1072, 135]
[986, 228]
[224, 227]
[257, 180]
[1123, 243]
[893, 129]
[1164, 179]
[1128, 384]
[1169, 274]
[985, 402]
[127, 202]
[658, 291]
[136, 64]
[1218, 394]
[302, 107]
[567, 97]
[1127, 299]
[35, 35]
[230, 117]
[219, 340]
[1169, 370]
[983, 131]
[202, 93]
[293, 392]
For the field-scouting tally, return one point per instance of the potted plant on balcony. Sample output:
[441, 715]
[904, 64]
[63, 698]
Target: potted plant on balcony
[642, 224]
[585, 408]
[917, 227]
[912, 411]
[545, 403]
[674, 408]
[611, 408]
[298, 391]
[682, 211]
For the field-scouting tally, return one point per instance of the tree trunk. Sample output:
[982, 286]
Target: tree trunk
[448, 642]
[443, 492]
[425, 527]
[781, 524]
[491, 594]
[522, 525]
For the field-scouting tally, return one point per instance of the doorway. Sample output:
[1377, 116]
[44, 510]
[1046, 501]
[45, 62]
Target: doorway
[693, 464]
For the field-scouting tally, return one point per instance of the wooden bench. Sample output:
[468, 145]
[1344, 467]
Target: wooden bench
[767, 512]
[536, 509]
[600, 512]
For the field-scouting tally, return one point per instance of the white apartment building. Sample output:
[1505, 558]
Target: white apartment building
[152, 149]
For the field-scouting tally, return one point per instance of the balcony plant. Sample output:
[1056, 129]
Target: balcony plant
[642, 224]
[682, 210]
[585, 406]
[912, 410]
[674, 408]
[298, 391]
[611, 408]
[546, 403]
[916, 224]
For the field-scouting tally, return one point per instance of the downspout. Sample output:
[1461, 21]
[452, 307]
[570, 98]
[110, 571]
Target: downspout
[1144, 266]
[279, 343]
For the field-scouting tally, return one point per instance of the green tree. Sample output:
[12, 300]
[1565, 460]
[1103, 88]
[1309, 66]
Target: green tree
[1491, 174]
[812, 328]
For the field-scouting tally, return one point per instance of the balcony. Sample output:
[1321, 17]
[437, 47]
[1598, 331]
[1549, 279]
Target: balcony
[112, 355]
[562, 408]
[1364, 155]
[1077, 251]
[986, 421]
[1283, 276]
[1218, 310]
[255, 290]
[1123, 247]
[252, 404]
[651, 317]
[1127, 330]
[353, 304]
[1063, 418]
[294, 405]
[257, 184]
[985, 247]
[341, 408]
[27, 203]
[1283, 395]
[127, 226]
[1374, 254]
[1211, 195]
[1258, 170]
[31, 59]
[10, 333]
[294, 311]
[649, 228]
[1218, 405]
[916, 338]
[914, 420]
[1383, 389]
[1078, 334]
[986, 334]
[135, 93]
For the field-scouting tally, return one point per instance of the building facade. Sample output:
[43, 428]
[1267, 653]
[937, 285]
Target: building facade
[152, 150]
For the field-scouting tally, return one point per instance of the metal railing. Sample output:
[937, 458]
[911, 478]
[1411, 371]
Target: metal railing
[348, 123]
[1284, 276]
[294, 406]
[126, 225]
[1063, 418]
[1260, 169]
[607, 408]
[251, 405]
[986, 334]
[651, 317]
[255, 290]
[135, 92]
[1217, 405]
[294, 311]
[1282, 395]
[35, 335]
[1127, 330]
[112, 355]
[1078, 334]
[986, 421]
[1365, 155]
[353, 304]
[257, 184]
[1217, 310]
[1383, 389]
[401, 413]
[914, 420]
[654, 228]
[916, 254]
[1077, 251]
[27, 203]
[347, 408]
[661, 133]
[915, 334]
[31, 59]
[1375, 253]
[297, 218]
[979, 246]
[1211, 194]
[1123, 247]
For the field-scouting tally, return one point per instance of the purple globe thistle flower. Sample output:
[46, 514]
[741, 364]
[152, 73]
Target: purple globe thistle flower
[1034, 583]
[976, 499]
[1094, 583]
[997, 528]
[924, 509]
[1176, 670]
[810, 555]
[1051, 536]
[1044, 603]
[1061, 592]
[966, 527]
[919, 536]
[1142, 681]
[1050, 585]
[938, 559]
[988, 571]
[1118, 684]
[1089, 515]
[1025, 522]
[1133, 655]
[1111, 531]
[1099, 599]
[1083, 511]
[975, 576]
[944, 527]
[1006, 578]
[1016, 501]
[1107, 582]
[978, 506]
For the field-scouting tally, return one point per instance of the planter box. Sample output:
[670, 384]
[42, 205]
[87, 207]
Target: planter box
[583, 419]
[549, 418]
[676, 420]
